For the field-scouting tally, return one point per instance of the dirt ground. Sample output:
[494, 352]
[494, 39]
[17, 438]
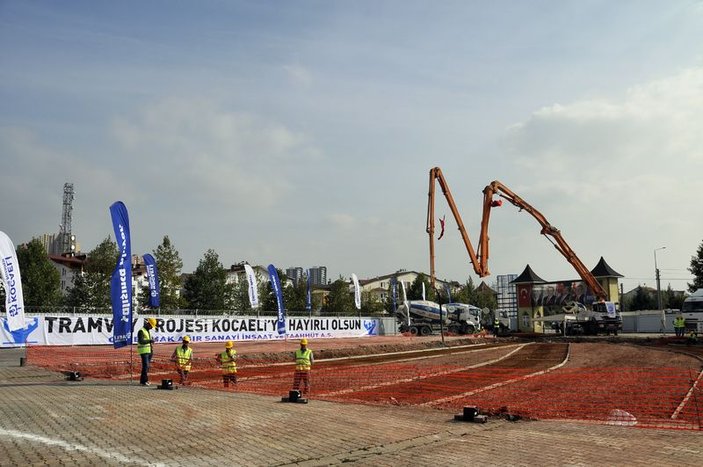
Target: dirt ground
[653, 380]
[610, 355]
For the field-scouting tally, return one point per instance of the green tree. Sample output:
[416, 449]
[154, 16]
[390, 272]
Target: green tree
[240, 295]
[169, 265]
[415, 290]
[643, 300]
[92, 288]
[696, 269]
[461, 293]
[339, 301]
[40, 279]
[370, 304]
[207, 287]
[485, 298]
[294, 295]
[672, 299]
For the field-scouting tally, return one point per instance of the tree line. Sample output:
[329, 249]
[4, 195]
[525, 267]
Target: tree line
[208, 289]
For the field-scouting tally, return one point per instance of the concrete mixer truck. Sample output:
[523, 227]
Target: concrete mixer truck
[422, 317]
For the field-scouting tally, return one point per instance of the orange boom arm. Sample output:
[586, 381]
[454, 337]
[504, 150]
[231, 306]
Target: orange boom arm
[479, 257]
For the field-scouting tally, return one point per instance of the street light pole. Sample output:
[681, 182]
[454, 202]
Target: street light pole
[656, 273]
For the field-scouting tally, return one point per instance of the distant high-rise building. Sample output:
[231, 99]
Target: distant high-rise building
[295, 274]
[318, 275]
[507, 296]
[51, 244]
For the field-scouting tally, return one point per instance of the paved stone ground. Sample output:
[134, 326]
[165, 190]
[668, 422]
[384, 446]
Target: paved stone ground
[45, 420]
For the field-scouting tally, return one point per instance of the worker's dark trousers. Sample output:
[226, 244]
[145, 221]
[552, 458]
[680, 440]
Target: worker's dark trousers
[146, 359]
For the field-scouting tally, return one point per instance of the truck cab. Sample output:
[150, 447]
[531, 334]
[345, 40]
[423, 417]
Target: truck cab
[607, 317]
[601, 318]
[692, 311]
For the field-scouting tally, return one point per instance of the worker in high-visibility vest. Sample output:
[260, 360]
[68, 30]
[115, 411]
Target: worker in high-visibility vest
[145, 349]
[303, 365]
[183, 357]
[679, 325]
[228, 361]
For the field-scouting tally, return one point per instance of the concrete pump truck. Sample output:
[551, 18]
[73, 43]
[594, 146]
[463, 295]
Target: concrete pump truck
[601, 317]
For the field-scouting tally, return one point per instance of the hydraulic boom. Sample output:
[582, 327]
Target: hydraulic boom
[479, 257]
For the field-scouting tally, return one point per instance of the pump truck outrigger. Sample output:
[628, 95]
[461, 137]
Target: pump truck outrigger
[601, 320]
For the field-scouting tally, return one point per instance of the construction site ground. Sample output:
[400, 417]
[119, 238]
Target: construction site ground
[47, 420]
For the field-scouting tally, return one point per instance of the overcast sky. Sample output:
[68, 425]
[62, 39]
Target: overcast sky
[301, 133]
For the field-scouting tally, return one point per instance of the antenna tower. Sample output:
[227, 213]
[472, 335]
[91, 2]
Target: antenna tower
[66, 238]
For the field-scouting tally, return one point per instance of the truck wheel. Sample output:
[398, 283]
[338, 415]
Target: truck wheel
[414, 330]
[469, 330]
[425, 331]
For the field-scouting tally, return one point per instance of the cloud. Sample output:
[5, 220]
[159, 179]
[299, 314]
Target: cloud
[657, 121]
[620, 175]
[298, 74]
[216, 154]
[35, 181]
[342, 220]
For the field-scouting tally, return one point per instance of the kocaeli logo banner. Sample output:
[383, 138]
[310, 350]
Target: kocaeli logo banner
[12, 283]
[276, 286]
[152, 274]
[121, 281]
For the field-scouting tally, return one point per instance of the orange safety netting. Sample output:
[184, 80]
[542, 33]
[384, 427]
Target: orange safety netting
[536, 381]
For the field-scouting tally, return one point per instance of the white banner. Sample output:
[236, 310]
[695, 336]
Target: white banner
[253, 287]
[97, 329]
[423, 291]
[405, 295]
[357, 292]
[12, 283]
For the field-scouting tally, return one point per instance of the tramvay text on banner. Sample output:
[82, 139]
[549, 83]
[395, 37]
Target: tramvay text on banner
[97, 329]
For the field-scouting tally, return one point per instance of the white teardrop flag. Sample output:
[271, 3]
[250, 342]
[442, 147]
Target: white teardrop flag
[357, 292]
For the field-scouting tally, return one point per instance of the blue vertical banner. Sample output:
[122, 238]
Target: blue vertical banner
[394, 292]
[449, 293]
[276, 286]
[121, 281]
[152, 275]
[308, 294]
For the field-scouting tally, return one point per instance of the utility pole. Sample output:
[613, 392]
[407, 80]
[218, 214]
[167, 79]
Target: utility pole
[656, 273]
